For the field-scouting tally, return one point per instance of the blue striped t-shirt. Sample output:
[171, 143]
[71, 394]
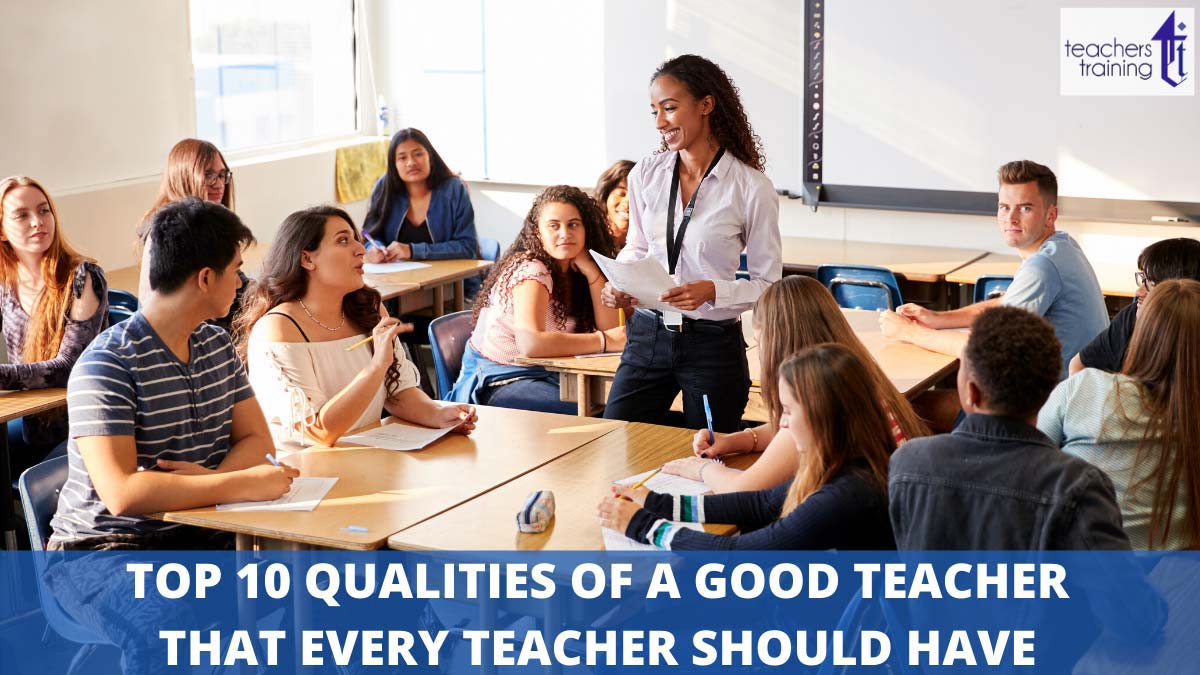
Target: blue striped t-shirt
[128, 383]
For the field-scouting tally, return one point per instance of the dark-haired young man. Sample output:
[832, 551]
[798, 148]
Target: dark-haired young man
[1055, 279]
[1161, 261]
[996, 482]
[162, 416]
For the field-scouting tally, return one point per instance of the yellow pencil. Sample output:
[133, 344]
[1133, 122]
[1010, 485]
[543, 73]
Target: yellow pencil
[621, 318]
[642, 482]
[360, 343]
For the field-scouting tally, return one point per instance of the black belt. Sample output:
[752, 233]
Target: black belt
[688, 321]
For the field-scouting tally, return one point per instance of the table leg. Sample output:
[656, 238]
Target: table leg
[439, 300]
[459, 295]
[583, 395]
[8, 517]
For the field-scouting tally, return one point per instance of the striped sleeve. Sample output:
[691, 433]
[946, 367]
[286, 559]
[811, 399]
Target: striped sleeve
[101, 399]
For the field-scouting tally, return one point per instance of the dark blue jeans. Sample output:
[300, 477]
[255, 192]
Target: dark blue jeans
[657, 364]
[538, 394]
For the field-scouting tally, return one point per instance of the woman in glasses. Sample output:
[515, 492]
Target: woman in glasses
[195, 168]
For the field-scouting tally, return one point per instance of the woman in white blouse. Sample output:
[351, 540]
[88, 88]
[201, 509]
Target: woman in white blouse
[299, 318]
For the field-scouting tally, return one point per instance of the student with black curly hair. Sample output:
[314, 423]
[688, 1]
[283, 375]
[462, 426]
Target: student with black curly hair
[541, 299]
[996, 482]
[694, 206]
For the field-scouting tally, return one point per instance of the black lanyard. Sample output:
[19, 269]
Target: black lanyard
[675, 241]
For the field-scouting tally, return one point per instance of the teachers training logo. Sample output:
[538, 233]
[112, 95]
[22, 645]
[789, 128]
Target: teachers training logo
[1127, 52]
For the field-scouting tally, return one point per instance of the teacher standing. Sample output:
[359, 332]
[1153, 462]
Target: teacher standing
[694, 206]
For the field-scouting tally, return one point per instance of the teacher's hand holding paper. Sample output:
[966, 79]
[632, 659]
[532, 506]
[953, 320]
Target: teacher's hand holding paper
[691, 295]
[615, 299]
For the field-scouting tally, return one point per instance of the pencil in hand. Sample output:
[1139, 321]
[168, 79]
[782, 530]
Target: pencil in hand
[360, 343]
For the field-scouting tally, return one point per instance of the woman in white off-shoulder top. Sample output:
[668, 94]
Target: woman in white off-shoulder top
[299, 318]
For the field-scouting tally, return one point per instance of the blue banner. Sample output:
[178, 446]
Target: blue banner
[589, 612]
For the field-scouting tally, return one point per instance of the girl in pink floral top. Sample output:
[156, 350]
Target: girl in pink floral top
[541, 299]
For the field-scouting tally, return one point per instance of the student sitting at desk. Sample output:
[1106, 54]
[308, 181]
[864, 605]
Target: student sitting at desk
[195, 168]
[1055, 279]
[541, 299]
[838, 495]
[299, 332]
[996, 482]
[162, 417]
[612, 193]
[53, 301]
[419, 210]
[794, 313]
[1161, 261]
[1140, 426]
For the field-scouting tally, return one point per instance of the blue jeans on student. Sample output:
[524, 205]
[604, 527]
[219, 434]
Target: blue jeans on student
[539, 394]
[703, 358]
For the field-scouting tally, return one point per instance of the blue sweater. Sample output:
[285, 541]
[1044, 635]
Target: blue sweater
[451, 222]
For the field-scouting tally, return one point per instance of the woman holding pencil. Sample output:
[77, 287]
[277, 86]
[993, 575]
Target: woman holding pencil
[321, 351]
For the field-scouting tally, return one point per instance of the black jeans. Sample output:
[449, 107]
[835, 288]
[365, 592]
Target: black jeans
[704, 358]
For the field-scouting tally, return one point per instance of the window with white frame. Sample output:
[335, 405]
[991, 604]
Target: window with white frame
[271, 72]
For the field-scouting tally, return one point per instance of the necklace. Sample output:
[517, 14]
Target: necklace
[331, 329]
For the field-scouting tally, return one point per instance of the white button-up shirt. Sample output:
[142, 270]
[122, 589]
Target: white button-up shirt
[737, 209]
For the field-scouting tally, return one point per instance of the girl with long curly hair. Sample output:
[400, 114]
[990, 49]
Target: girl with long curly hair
[694, 206]
[53, 301]
[298, 322]
[541, 299]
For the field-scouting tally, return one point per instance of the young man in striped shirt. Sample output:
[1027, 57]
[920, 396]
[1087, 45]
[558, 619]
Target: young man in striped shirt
[162, 416]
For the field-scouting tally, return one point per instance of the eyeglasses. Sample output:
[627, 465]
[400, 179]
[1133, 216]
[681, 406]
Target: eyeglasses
[1141, 280]
[211, 178]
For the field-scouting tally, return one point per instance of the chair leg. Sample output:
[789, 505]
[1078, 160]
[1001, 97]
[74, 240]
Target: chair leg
[80, 656]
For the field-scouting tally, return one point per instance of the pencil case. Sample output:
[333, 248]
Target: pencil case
[538, 510]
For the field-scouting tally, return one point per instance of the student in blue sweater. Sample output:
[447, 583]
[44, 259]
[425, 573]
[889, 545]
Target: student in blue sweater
[419, 209]
[838, 498]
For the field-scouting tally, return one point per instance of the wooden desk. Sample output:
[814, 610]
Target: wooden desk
[15, 404]
[931, 264]
[579, 480]
[387, 491]
[910, 368]
[435, 279]
[1115, 280]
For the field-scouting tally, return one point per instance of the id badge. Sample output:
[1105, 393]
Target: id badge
[672, 319]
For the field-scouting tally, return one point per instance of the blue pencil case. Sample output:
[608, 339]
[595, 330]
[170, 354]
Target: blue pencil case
[536, 513]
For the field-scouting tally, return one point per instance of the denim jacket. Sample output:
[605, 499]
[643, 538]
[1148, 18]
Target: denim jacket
[997, 483]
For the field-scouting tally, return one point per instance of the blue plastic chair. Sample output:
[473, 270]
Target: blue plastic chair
[991, 286]
[123, 299]
[39, 486]
[117, 314]
[489, 249]
[448, 337]
[861, 286]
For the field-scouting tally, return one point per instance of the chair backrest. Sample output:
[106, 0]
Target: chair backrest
[117, 298]
[991, 286]
[489, 249]
[39, 486]
[861, 286]
[117, 314]
[447, 339]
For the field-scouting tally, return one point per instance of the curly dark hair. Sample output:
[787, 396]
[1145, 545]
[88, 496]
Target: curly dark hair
[1015, 358]
[528, 246]
[728, 122]
[283, 280]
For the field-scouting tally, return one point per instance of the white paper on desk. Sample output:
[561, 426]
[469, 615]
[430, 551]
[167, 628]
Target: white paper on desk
[615, 541]
[668, 484]
[306, 492]
[644, 279]
[397, 437]
[388, 268]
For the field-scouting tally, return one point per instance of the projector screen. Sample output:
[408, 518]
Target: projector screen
[936, 95]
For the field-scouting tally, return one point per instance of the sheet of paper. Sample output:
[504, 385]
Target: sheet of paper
[396, 437]
[667, 484]
[615, 541]
[644, 279]
[305, 494]
[596, 355]
[388, 268]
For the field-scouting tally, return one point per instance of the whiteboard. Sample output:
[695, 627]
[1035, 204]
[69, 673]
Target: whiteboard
[937, 95]
[88, 105]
